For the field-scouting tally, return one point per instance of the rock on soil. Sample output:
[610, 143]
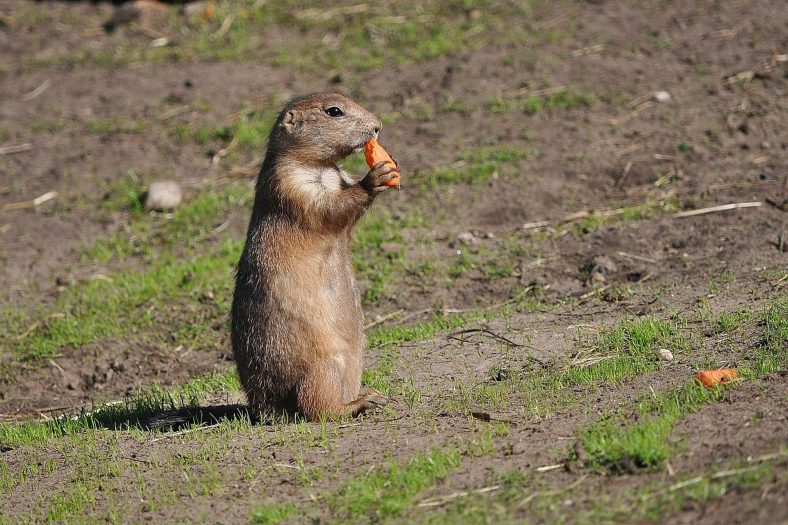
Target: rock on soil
[661, 96]
[163, 195]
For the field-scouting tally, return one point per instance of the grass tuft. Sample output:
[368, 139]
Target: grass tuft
[150, 402]
[618, 445]
[386, 494]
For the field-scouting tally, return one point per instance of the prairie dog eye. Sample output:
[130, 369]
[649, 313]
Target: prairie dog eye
[334, 111]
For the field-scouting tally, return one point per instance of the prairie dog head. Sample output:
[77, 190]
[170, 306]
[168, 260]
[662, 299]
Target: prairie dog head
[322, 128]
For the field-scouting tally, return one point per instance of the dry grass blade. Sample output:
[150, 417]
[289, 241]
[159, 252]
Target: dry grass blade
[37, 91]
[8, 150]
[184, 432]
[435, 502]
[713, 209]
[637, 257]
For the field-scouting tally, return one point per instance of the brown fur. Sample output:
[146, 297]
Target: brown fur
[297, 329]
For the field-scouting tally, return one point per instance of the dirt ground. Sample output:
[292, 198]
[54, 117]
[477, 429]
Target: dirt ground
[541, 182]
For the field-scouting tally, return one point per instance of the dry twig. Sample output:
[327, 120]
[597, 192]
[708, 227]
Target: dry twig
[713, 209]
[183, 432]
[442, 500]
[8, 150]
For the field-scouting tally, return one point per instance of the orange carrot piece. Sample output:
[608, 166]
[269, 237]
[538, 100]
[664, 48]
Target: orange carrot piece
[374, 153]
[709, 378]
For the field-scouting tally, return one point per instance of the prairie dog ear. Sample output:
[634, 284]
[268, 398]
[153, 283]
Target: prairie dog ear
[292, 121]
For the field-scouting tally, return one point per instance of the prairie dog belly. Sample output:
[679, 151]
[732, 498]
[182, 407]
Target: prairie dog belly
[316, 293]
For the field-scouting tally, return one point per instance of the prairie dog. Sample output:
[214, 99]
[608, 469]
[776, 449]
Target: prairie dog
[297, 324]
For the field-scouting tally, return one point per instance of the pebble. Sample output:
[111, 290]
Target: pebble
[665, 354]
[661, 96]
[163, 195]
[467, 238]
[603, 265]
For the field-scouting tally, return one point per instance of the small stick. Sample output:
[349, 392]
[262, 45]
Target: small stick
[383, 319]
[588, 50]
[219, 229]
[48, 196]
[569, 487]
[183, 432]
[713, 209]
[434, 502]
[548, 468]
[660, 156]
[30, 204]
[8, 150]
[226, 24]
[416, 314]
[37, 91]
[637, 257]
[536, 92]
[537, 224]
[538, 262]
[634, 113]
[593, 292]
[173, 112]
[629, 149]
[495, 336]
[623, 176]
[223, 152]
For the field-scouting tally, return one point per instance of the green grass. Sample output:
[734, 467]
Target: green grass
[402, 334]
[153, 234]
[42, 126]
[148, 402]
[538, 103]
[381, 494]
[625, 214]
[374, 265]
[249, 129]
[620, 445]
[360, 39]
[651, 502]
[272, 514]
[387, 493]
[628, 350]
[727, 322]
[475, 166]
[618, 354]
[117, 125]
[123, 304]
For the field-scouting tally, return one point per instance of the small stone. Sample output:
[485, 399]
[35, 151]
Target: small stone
[163, 195]
[467, 238]
[665, 354]
[660, 96]
[602, 264]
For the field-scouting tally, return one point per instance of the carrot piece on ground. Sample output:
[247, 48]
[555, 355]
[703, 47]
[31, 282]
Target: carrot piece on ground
[374, 153]
[709, 378]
